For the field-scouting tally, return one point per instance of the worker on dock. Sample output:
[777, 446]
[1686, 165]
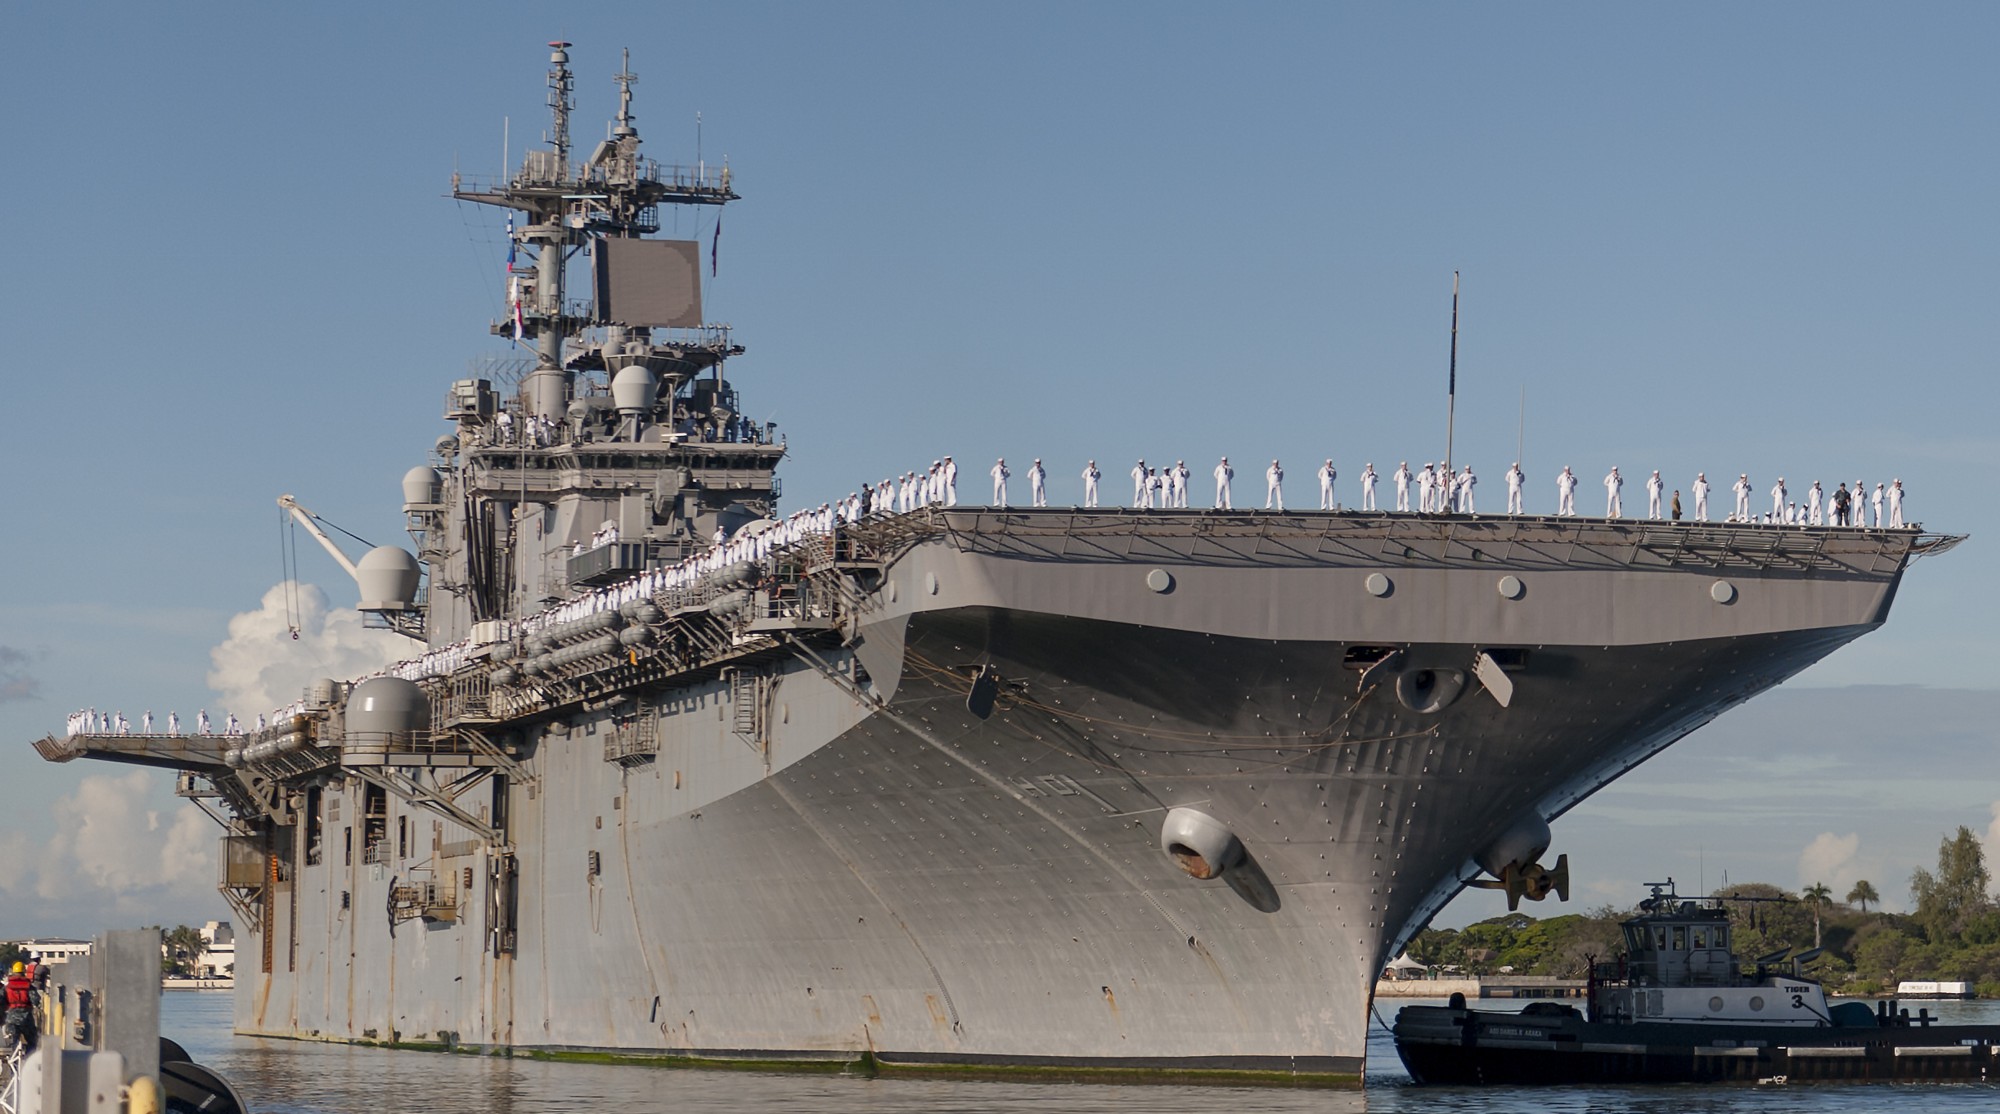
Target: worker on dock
[19, 1023]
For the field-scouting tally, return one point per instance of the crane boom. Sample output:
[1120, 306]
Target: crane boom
[309, 520]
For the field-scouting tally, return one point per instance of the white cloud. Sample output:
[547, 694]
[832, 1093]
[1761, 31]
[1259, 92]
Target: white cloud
[1830, 859]
[261, 666]
[108, 847]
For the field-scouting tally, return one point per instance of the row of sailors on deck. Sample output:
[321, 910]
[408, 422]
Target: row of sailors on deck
[90, 721]
[1438, 490]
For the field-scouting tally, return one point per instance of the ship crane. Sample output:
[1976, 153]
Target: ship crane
[386, 575]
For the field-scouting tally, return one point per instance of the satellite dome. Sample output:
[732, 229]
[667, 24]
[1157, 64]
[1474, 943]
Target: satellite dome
[635, 390]
[381, 707]
[387, 577]
[420, 487]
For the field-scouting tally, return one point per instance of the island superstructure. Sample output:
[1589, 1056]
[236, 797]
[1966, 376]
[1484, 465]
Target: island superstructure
[1111, 793]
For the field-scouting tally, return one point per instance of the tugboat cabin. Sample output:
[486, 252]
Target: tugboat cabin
[1678, 967]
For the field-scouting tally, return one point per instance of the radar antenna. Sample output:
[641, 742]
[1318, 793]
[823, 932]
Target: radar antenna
[625, 77]
[561, 85]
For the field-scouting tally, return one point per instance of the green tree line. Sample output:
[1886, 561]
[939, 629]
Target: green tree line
[1952, 931]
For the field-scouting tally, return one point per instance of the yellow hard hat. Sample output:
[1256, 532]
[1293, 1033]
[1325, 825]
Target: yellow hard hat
[20, 968]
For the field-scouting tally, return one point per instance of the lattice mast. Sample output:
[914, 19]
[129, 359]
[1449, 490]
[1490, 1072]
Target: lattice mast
[565, 205]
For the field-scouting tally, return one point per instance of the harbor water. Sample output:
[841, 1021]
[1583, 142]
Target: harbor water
[294, 1077]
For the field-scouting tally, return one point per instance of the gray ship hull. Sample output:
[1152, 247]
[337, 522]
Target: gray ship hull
[875, 871]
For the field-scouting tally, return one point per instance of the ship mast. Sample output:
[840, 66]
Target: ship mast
[613, 193]
[547, 388]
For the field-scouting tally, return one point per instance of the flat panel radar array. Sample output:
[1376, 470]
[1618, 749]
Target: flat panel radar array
[654, 283]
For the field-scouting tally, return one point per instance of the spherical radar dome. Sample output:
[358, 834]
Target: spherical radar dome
[387, 705]
[420, 486]
[635, 389]
[387, 577]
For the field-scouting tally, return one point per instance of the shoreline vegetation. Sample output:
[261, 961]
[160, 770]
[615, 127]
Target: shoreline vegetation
[1951, 933]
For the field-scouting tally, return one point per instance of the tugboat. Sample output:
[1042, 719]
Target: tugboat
[1678, 1007]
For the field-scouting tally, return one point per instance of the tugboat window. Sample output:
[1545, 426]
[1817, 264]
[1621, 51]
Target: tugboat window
[1700, 939]
[1680, 938]
[1659, 938]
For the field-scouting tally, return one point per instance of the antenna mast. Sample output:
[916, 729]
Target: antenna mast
[1451, 386]
[561, 84]
[625, 77]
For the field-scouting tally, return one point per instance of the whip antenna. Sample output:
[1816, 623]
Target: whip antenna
[1451, 385]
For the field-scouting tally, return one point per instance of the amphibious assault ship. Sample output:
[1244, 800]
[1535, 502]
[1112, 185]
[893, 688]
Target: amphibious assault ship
[1102, 792]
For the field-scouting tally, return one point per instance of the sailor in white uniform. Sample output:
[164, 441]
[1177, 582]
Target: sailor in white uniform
[1566, 493]
[1701, 496]
[1090, 477]
[1402, 478]
[950, 483]
[1814, 495]
[1896, 505]
[1654, 486]
[1881, 493]
[1326, 475]
[1466, 482]
[1274, 481]
[1038, 484]
[1223, 474]
[201, 724]
[1140, 488]
[1000, 474]
[1368, 479]
[1742, 489]
[1515, 480]
[1178, 477]
[1156, 488]
[1426, 489]
[1613, 484]
[173, 723]
[1778, 498]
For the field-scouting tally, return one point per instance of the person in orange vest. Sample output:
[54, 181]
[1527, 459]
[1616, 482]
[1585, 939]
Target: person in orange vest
[20, 1018]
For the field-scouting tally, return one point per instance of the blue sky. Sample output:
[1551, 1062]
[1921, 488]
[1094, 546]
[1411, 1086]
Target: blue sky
[1723, 237]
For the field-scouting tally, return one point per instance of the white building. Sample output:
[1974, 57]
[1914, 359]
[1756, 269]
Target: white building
[219, 961]
[57, 952]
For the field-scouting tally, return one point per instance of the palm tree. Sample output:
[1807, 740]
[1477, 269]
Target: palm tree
[1863, 893]
[1817, 895]
[184, 945]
